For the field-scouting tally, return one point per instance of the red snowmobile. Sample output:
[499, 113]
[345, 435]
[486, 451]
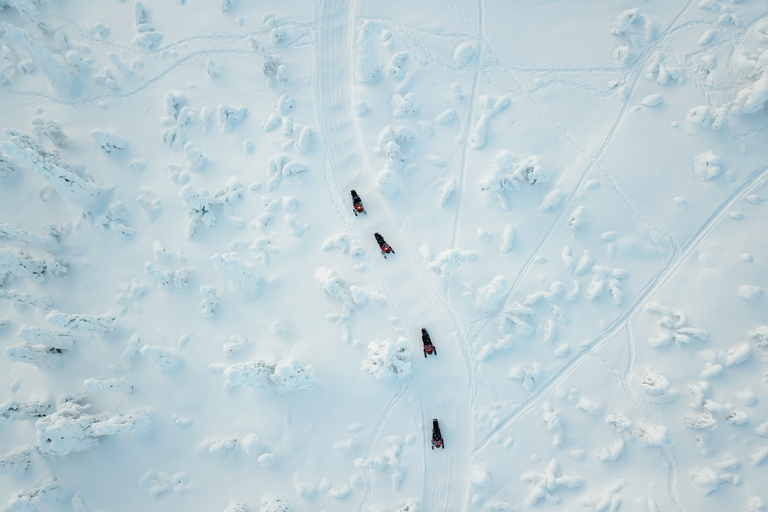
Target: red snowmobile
[437, 437]
[357, 204]
[429, 348]
[383, 245]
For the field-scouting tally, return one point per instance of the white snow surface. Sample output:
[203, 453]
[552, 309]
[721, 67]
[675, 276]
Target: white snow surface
[192, 317]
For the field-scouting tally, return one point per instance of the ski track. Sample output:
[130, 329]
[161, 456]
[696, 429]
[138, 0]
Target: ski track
[468, 128]
[293, 298]
[375, 435]
[679, 256]
[637, 66]
[564, 208]
[631, 351]
[672, 481]
[442, 381]
[180, 61]
[659, 280]
[132, 92]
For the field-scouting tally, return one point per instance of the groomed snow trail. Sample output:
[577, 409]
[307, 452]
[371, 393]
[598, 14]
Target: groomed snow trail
[443, 381]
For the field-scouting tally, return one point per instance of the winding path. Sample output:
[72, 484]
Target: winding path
[443, 382]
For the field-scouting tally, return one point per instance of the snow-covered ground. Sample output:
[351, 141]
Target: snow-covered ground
[192, 317]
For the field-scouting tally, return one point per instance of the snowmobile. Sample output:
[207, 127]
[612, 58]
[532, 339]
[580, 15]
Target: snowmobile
[437, 437]
[383, 245]
[357, 204]
[429, 348]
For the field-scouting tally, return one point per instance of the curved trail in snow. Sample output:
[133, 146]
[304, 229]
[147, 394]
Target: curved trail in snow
[636, 68]
[443, 381]
[680, 254]
[468, 127]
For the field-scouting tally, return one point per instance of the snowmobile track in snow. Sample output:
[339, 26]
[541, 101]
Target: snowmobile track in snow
[443, 383]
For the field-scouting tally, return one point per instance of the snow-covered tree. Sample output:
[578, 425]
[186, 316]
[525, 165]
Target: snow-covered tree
[59, 174]
[327, 278]
[273, 503]
[16, 461]
[71, 429]
[244, 278]
[283, 376]
[389, 359]
[252, 374]
[289, 375]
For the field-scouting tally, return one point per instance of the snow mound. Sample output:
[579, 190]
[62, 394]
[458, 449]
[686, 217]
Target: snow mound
[751, 99]
[60, 175]
[389, 359]
[283, 376]
[108, 142]
[119, 384]
[12, 410]
[28, 499]
[209, 302]
[547, 481]
[103, 325]
[59, 77]
[41, 356]
[166, 359]
[70, 429]
[707, 166]
[463, 53]
[367, 66]
[245, 279]
[506, 175]
[410, 506]
[289, 375]
[327, 278]
[449, 260]
[748, 292]
[237, 506]
[705, 479]
[273, 503]
[405, 106]
[447, 190]
[480, 477]
[760, 334]
[230, 117]
[13, 264]
[489, 298]
[488, 110]
[22, 299]
[218, 445]
[527, 375]
[195, 158]
[52, 131]
[279, 165]
[16, 461]
[252, 374]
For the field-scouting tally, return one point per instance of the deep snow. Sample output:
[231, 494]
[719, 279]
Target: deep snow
[192, 317]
